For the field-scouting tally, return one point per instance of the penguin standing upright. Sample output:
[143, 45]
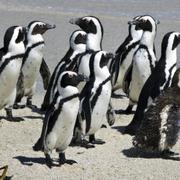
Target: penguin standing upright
[32, 60]
[77, 43]
[60, 117]
[124, 55]
[95, 96]
[144, 59]
[159, 80]
[160, 126]
[94, 29]
[11, 56]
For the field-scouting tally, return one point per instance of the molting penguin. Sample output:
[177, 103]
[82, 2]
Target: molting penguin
[95, 96]
[160, 127]
[124, 55]
[11, 56]
[94, 29]
[144, 58]
[77, 43]
[61, 116]
[159, 80]
[32, 60]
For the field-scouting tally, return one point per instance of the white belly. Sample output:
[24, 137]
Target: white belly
[60, 136]
[98, 116]
[141, 71]
[31, 70]
[8, 80]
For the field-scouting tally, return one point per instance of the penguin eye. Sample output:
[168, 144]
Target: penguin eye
[70, 75]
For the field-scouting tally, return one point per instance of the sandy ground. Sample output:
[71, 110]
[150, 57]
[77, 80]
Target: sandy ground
[116, 159]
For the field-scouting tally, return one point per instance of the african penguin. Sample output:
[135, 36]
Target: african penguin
[95, 97]
[124, 55]
[159, 80]
[77, 44]
[32, 60]
[60, 117]
[11, 56]
[94, 29]
[160, 126]
[144, 58]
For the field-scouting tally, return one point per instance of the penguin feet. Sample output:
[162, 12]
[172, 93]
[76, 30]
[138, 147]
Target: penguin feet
[110, 115]
[18, 106]
[10, 117]
[30, 105]
[48, 160]
[92, 140]
[86, 144]
[63, 160]
[3, 175]
[38, 146]
[167, 153]
[127, 111]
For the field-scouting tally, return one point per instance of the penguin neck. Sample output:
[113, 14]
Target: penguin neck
[171, 56]
[102, 73]
[94, 42]
[67, 91]
[33, 39]
[148, 39]
[79, 48]
[16, 49]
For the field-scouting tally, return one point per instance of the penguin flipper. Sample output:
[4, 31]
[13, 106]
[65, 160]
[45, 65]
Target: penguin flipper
[127, 79]
[20, 88]
[45, 74]
[39, 145]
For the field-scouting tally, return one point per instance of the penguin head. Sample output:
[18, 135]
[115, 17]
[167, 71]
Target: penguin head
[89, 24]
[145, 23]
[13, 40]
[70, 78]
[170, 42]
[38, 27]
[134, 31]
[78, 40]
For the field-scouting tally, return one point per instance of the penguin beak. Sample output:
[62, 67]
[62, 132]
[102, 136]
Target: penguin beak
[134, 22]
[49, 26]
[75, 21]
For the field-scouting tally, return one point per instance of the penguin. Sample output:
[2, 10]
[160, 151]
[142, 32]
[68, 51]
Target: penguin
[95, 98]
[124, 55]
[77, 43]
[159, 80]
[160, 126]
[144, 58]
[94, 29]
[60, 117]
[32, 60]
[11, 56]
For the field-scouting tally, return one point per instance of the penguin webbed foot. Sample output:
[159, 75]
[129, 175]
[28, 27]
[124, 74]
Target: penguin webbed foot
[48, 160]
[168, 153]
[10, 117]
[110, 115]
[63, 160]
[38, 146]
[127, 111]
[86, 144]
[93, 140]
[18, 106]
[30, 105]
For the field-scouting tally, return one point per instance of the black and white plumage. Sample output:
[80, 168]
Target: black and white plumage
[124, 55]
[144, 59]
[11, 56]
[159, 80]
[94, 29]
[32, 61]
[60, 118]
[160, 126]
[95, 96]
[77, 44]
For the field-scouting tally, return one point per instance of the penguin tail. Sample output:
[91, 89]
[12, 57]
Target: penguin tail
[38, 146]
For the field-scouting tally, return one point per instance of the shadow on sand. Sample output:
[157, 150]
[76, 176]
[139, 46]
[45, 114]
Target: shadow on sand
[138, 153]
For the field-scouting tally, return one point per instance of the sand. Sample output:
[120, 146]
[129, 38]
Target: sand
[116, 159]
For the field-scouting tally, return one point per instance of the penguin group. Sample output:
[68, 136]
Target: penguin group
[77, 102]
